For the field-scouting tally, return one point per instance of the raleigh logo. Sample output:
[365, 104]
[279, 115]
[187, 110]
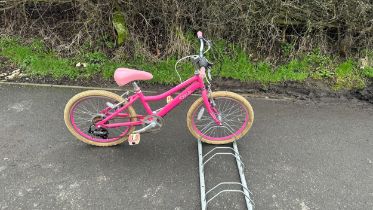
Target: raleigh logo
[182, 97]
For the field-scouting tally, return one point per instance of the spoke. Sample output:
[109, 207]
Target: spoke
[207, 126]
[90, 107]
[233, 118]
[230, 128]
[226, 133]
[233, 113]
[223, 106]
[83, 112]
[228, 106]
[81, 118]
[92, 103]
[231, 108]
[214, 131]
[209, 129]
[81, 122]
[97, 105]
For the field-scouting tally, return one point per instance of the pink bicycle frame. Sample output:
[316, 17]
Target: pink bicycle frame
[191, 85]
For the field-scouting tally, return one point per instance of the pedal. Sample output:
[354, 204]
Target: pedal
[134, 139]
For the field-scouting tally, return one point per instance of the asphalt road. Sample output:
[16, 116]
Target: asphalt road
[298, 155]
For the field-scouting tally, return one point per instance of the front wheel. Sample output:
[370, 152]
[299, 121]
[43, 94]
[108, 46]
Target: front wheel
[234, 112]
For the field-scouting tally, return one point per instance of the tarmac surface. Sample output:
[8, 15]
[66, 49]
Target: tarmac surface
[298, 155]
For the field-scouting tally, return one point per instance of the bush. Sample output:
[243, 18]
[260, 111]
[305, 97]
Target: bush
[159, 28]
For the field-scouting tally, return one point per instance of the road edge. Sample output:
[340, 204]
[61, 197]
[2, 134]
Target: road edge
[266, 97]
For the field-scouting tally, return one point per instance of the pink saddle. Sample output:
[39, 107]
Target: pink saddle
[123, 76]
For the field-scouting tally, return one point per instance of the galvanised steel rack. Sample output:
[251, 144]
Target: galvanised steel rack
[207, 197]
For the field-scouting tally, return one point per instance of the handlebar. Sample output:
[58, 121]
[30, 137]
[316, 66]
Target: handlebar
[202, 40]
[199, 60]
[199, 34]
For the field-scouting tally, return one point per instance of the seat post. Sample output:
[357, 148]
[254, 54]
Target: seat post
[136, 88]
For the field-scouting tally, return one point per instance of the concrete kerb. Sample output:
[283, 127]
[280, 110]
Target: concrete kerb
[124, 89]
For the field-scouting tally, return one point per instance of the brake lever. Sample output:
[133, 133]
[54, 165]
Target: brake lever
[209, 73]
[208, 44]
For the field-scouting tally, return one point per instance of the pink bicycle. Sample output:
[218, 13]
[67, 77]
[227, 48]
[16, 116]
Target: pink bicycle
[104, 118]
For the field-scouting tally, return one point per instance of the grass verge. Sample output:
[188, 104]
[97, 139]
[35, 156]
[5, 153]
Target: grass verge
[35, 59]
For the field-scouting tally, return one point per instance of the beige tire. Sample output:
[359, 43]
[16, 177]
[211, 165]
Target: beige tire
[235, 98]
[92, 93]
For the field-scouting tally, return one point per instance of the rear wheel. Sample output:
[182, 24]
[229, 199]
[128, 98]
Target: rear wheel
[233, 110]
[89, 107]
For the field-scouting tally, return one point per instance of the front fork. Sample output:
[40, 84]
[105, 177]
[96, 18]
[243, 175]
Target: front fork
[211, 106]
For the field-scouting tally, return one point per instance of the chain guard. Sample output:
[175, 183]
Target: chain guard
[99, 132]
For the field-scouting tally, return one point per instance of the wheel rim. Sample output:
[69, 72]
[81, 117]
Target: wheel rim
[88, 108]
[234, 116]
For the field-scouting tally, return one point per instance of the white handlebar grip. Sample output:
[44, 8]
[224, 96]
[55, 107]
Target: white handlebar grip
[199, 34]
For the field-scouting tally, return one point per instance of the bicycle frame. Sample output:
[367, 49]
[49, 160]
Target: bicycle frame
[190, 86]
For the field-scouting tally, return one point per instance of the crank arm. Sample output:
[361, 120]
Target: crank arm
[146, 128]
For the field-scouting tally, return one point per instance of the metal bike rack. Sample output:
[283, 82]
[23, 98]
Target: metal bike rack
[207, 197]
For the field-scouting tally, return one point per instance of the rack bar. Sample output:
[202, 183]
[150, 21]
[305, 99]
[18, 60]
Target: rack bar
[242, 177]
[202, 176]
[240, 166]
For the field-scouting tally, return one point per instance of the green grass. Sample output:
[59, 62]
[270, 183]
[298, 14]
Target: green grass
[348, 77]
[236, 64]
[34, 60]
[368, 72]
[231, 62]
